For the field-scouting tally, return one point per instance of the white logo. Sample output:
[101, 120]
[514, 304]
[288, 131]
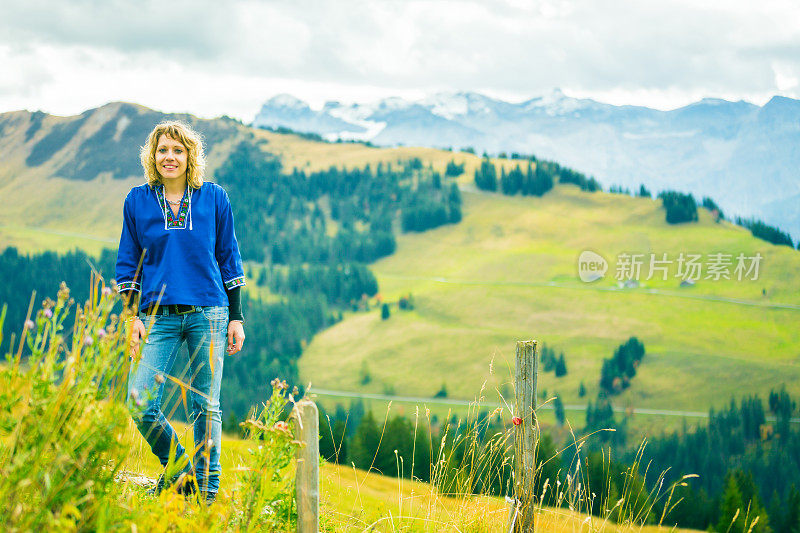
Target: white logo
[591, 266]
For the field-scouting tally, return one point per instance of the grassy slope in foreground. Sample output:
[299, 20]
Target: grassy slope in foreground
[496, 264]
[352, 500]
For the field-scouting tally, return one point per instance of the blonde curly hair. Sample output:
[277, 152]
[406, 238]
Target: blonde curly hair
[195, 157]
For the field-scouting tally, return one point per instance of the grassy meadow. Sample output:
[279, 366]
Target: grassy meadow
[508, 272]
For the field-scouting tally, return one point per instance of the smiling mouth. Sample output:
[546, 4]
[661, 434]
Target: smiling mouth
[169, 167]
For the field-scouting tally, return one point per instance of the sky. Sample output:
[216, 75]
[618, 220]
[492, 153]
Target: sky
[216, 57]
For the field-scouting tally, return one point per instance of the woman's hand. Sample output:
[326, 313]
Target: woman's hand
[235, 336]
[137, 333]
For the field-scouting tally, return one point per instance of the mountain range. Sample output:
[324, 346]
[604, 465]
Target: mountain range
[744, 156]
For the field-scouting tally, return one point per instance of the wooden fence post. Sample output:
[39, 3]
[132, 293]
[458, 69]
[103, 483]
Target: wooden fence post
[526, 435]
[306, 430]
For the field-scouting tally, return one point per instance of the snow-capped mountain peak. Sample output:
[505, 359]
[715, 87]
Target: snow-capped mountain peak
[285, 101]
[555, 103]
[450, 105]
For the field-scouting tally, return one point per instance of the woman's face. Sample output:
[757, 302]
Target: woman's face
[171, 158]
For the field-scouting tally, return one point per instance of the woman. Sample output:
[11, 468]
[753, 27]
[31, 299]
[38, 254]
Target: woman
[178, 256]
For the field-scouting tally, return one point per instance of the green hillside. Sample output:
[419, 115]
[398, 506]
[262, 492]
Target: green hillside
[508, 271]
[63, 179]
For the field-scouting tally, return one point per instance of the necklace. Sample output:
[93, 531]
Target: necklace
[176, 202]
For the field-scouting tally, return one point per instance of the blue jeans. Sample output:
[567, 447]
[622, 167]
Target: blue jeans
[205, 333]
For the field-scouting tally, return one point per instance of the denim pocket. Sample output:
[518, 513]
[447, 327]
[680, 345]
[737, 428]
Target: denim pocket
[216, 312]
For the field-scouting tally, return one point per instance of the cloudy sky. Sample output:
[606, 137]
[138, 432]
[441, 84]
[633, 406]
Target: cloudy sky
[214, 57]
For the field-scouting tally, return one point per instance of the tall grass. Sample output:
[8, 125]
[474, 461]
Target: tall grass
[65, 439]
[470, 465]
[65, 435]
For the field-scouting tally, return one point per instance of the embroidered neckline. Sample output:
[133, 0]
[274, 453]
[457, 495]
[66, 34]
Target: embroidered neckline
[173, 221]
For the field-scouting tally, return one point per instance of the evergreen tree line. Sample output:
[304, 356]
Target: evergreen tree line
[23, 274]
[683, 208]
[284, 218]
[458, 456]
[679, 207]
[747, 455]
[432, 208]
[342, 285]
[394, 449]
[766, 232]
[471, 457]
[536, 180]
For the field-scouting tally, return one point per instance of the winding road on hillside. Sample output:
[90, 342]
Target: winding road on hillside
[593, 287]
[548, 405]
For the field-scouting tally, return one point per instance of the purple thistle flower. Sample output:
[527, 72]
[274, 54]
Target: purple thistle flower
[48, 313]
[29, 324]
[101, 333]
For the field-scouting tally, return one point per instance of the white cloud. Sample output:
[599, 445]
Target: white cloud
[215, 57]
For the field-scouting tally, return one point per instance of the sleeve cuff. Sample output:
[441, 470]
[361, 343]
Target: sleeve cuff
[128, 286]
[234, 282]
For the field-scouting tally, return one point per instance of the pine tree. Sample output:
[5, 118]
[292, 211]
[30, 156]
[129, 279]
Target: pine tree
[791, 517]
[561, 366]
[558, 407]
[365, 442]
[730, 505]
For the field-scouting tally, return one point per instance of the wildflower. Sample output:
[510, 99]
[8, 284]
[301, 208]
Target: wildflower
[101, 333]
[135, 397]
[29, 324]
[516, 421]
[279, 384]
[106, 291]
[87, 340]
[281, 426]
[48, 313]
[63, 291]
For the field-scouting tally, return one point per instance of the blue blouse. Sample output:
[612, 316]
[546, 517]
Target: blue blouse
[193, 257]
